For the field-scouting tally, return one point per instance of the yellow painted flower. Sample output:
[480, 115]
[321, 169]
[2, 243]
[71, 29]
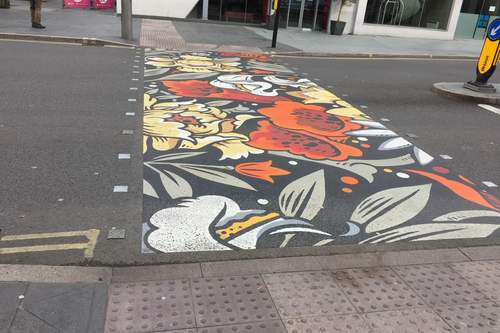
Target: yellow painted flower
[188, 63]
[315, 95]
[193, 126]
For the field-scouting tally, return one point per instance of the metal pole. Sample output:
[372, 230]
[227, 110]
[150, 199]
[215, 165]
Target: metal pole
[315, 14]
[127, 19]
[276, 24]
[204, 15]
[301, 15]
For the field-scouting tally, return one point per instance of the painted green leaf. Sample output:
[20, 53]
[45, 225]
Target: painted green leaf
[176, 186]
[466, 214]
[176, 156]
[304, 196]
[214, 176]
[392, 207]
[148, 189]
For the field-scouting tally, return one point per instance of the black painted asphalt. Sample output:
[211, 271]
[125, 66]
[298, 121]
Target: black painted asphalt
[63, 111]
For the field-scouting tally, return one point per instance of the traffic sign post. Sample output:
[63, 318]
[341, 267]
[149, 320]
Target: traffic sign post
[276, 7]
[488, 60]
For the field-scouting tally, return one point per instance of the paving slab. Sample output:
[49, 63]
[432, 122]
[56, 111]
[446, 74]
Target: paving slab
[472, 318]
[275, 326]
[27, 322]
[232, 300]
[9, 294]
[98, 309]
[376, 289]
[339, 324]
[439, 285]
[150, 306]
[483, 274]
[414, 320]
[391, 258]
[307, 294]
[66, 307]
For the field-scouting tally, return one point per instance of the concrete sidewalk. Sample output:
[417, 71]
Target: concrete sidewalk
[203, 35]
[68, 22]
[451, 290]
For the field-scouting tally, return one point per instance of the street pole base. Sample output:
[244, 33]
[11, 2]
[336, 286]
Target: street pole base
[482, 88]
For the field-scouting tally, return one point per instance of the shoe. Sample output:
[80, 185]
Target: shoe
[37, 26]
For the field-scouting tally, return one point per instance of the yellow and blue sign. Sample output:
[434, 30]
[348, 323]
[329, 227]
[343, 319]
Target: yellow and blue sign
[488, 60]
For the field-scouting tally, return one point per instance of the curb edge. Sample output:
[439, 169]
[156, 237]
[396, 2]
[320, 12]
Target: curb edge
[60, 39]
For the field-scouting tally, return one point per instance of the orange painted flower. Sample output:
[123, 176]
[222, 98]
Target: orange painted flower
[260, 170]
[306, 130]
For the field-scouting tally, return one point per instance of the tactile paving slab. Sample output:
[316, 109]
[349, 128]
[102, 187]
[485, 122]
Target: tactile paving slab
[338, 324]
[439, 285]
[407, 321]
[376, 289]
[263, 327]
[483, 274]
[149, 306]
[231, 300]
[308, 294]
[472, 318]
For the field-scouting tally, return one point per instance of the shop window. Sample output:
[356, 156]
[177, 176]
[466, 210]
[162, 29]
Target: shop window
[427, 14]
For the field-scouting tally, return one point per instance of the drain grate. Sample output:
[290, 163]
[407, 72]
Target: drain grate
[93, 44]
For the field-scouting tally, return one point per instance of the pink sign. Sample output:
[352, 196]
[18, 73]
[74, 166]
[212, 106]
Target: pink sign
[104, 4]
[77, 3]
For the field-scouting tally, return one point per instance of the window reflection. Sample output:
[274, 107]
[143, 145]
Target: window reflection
[430, 14]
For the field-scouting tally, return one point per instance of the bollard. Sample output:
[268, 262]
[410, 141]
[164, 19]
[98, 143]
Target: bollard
[127, 19]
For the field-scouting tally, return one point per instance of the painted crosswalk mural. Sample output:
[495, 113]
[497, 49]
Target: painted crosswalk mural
[241, 153]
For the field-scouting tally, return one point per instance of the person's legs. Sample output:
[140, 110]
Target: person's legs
[36, 13]
[32, 10]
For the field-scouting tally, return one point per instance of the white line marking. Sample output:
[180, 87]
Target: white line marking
[446, 157]
[128, 132]
[363, 106]
[135, 79]
[135, 72]
[132, 100]
[384, 119]
[120, 189]
[123, 156]
[490, 108]
[130, 114]
[136, 61]
[133, 88]
[490, 184]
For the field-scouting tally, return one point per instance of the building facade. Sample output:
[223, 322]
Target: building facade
[432, 19]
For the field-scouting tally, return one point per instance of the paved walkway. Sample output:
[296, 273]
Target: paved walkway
[453, 290]
[69, 22]
[106, 25]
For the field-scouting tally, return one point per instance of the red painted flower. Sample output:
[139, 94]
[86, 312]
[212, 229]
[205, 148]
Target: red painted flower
[306, 130]
[260, 170]
[196, 88]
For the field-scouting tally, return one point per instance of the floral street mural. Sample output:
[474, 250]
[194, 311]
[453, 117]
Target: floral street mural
[241, 153]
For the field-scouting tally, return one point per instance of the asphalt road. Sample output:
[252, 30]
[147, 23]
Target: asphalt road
[62, 115]
[63, 111]
[400, 90]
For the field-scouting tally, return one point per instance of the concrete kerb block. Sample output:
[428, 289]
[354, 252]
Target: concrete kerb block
[54, 274]
[260, 266]
[455, 90]
[377, 259]
[369, 55]
[61, 39]
[159, 272]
